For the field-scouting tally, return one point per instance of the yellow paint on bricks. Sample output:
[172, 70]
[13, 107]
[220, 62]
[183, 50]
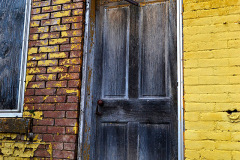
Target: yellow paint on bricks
[58, 41]
[35, 114]
[198, 145]
[49, 49]
[32, 50]
[61, 1]
[58, 55]
[215, 155]
[192, 154]
[61, 14]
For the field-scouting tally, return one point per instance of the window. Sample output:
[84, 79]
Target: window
[14, 25]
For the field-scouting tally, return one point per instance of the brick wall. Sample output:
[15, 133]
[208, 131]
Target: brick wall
[53, 76]
[212, 79]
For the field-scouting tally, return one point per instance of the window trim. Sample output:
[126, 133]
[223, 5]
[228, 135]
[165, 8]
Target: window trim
[22, 79]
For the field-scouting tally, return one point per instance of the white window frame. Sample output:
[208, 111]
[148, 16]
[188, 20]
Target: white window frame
[18, 112]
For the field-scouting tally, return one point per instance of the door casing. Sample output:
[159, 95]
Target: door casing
[87, 80]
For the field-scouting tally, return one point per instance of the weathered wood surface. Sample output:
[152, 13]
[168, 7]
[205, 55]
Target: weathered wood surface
[12, 15]
[15, 125]
[134, 73]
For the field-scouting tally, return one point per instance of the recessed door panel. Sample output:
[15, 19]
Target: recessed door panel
[113, 141]
[153, 141]
[153, 50]
[115, 52]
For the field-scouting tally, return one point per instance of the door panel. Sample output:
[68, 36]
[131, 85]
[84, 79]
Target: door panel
[134, 74]
[113, 144]
[153, 49]
[115, 52]
[153, 141]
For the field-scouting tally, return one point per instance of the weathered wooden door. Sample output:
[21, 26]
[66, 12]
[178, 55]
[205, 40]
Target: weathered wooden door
[134, 76]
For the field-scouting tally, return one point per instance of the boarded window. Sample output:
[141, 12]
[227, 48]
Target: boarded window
[12, 18]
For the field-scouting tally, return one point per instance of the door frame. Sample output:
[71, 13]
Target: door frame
[87, 80]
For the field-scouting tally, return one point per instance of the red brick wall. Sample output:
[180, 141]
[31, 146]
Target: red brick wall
[53, 75]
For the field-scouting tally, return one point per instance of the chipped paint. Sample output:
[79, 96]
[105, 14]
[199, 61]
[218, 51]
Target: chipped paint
[35, 114]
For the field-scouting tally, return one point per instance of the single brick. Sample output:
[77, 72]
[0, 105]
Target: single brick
[60, 27]
[38, 43]
[72, 6]
[74, 54]
[73, 19]
[57, 146]
[77, 12]
[34, 23]
[43, 122]
[44, 107]
[56, 84]
[67, 106]
[33, 36]
[69, 61]
[77, 25]
[53, 129]
[56, 69]
[68, 76]
[49, 49]
[72, 130]
[46, 77]
[30, 78]
[47, 138]
[74, 83]
[40, 16]
[53, 99]
[51, 8]
[36, 85]
[73, 33]
[63, 154]
[72, 114]
[31, 63]
[61, 1]
[70, 47]
[32, 50]
[36, 11]
[33, 99]
[75, 68]
[37, 56]
[76, 39]
[69, 146]
[72, 99]
[65, 138]
[68, 91]
[48, 63]
[36, 70]
[41, 4]
[44, 92]
[50, 22]
[61, 14]
[29, 92]
[39, 29]
[59, 41]
[50, 35]
[58, 55]
[41, 152]
[66, 122]
[39, 129]
[54, 114]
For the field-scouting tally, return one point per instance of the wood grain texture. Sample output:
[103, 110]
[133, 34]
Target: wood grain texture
[12, 15]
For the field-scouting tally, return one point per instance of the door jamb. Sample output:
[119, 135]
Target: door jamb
[87, 77]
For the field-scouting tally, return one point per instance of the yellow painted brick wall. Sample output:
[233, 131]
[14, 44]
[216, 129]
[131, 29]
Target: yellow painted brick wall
[211, 31]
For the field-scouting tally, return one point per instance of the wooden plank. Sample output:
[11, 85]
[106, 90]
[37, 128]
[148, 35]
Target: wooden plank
[15, 125]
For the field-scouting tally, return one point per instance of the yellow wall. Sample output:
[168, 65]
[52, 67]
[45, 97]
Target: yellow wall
[211, 31]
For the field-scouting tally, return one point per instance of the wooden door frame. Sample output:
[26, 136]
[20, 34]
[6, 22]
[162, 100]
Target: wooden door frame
[87, 80]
